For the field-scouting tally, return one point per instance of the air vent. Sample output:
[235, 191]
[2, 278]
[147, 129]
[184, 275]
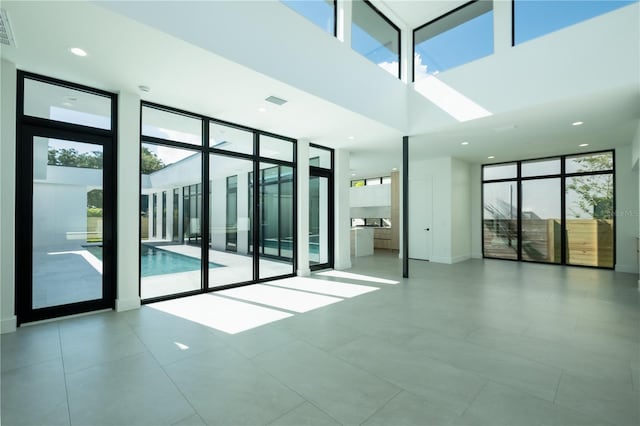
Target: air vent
[6, 35]
[276, 100]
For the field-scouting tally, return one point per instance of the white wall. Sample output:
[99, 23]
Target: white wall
[451, 221]
[7, 195]
[626, 212]
[342, 221]
[315, 52]
[460, 210]
[475, 209]
[561, 65]
[370, 196]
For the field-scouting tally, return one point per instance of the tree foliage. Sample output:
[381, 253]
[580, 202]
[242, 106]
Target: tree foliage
[595, 192]
[70, 157]
[150, 162]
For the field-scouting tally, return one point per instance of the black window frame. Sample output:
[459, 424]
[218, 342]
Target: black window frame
[206, 151]
[28, 126]
[439, 18]
[394, 26]
[563, 176]
[323, 172]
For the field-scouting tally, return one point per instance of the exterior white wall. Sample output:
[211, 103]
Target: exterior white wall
[8, 80]
[218, 213]
[342, 221]
[128, 198]
[626, 212]
[58, 210]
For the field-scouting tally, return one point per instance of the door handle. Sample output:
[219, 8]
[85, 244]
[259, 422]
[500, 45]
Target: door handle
[426, 229]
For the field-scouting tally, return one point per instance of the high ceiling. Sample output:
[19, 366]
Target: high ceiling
[134, 54]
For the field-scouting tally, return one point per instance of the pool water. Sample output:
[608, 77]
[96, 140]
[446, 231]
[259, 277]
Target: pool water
[155, 261]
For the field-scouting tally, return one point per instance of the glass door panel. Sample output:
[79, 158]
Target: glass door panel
[500, 227]
[230, 260]
[541, 222]
[319, 220]
[589, 220]
[275, 236]
[171, 244]
[67, 222]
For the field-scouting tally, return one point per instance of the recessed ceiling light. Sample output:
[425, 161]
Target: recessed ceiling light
[144, 88]
[465, 143]
[353, 174]
[577, 123]
[491, 157]
[67, 104]
[71, 98]
[584, 144]
[262, 109]
[351, 138]
[77, 51]
[395, 169]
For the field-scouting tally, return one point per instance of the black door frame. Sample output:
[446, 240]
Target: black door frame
[328, 174]
[27, 129]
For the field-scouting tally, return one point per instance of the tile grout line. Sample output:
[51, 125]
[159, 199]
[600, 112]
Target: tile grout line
[166, 374]
[268, 373]
[474, 398]
[287, 412]
[377, 410]
[64, 375]
[555, 395]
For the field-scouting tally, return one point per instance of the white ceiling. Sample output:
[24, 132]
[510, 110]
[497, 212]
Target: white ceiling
[135, 54]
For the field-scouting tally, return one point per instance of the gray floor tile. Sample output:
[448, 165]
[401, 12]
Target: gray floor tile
[433, 380]
[601, 399]
[194, 420]
[348, 394]
[225, 388]
[30, 345]
[408, 409]
[529, 376]
[555, 354]
[500, 405]
[85, 350]
[305, 415]
[129, 391]
[172, 344]
[35, 395]
[258, 340]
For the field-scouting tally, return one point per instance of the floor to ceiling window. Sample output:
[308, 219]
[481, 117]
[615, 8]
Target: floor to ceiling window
[320, 207]
[554, 210]
[66, 198]
[204, 240]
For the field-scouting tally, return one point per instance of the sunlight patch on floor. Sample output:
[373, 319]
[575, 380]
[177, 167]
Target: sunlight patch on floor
[358, 277]
[331, 288]
[291, 300]
[226, 315]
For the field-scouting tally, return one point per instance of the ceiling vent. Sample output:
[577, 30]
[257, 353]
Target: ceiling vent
[276, 100]
[6, 35]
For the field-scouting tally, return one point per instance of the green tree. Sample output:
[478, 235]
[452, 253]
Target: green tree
[70, 157]
[150, 162]
[595, 192]
[94, 198]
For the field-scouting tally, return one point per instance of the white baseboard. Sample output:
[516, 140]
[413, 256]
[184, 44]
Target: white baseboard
[303, 272]
[8, 325]
[127, 304]
[476, 255]
[457, 259]
[435, 259]
[631, 269]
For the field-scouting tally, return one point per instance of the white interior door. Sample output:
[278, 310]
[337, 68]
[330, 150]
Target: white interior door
[420, 218]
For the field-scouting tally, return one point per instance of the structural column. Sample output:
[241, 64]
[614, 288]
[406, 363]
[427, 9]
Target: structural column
[8, 87]
[128, 194]
[502, 24]
[342, 219]
[302, 170]
[343, 22]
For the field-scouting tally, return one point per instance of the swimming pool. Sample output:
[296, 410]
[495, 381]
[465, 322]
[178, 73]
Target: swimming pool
[156, 261]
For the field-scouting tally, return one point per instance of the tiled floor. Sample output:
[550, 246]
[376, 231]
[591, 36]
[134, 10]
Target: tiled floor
[476, 343]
